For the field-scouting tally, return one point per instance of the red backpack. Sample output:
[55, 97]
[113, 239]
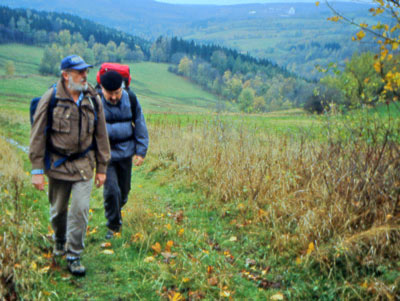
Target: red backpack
[121, 69]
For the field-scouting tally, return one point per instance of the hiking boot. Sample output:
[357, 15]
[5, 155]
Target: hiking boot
[110, 234]
[75, 267]
[59, 249]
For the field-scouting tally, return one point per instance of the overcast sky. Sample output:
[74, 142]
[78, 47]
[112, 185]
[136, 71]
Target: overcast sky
[228, 2]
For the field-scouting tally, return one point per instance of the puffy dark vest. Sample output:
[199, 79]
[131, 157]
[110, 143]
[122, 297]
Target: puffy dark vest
[119, 127]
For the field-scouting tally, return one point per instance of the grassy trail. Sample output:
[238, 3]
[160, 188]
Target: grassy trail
[173, 243]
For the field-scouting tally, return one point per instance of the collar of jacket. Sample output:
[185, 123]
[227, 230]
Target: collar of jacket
[62, 92]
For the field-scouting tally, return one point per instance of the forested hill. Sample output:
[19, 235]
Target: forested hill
[256, 84]
[35, 27]
[295, 35]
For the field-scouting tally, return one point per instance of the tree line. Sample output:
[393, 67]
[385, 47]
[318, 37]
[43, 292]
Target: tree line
[256, 85]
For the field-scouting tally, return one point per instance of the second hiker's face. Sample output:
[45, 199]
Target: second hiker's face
[113, 96]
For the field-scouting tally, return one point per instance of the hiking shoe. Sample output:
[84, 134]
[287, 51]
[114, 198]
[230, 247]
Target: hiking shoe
[110, 234]
[59, 249]
[75, 267]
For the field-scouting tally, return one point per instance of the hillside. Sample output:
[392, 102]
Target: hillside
[157, 89]
[295, 35]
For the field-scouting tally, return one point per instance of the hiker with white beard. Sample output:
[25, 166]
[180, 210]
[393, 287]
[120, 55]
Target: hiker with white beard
[68, 141]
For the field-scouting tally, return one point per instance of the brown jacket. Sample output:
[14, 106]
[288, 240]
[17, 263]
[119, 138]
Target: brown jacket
[73, 130]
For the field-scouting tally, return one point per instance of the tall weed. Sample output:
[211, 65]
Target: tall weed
[336, 199]
[19, 259]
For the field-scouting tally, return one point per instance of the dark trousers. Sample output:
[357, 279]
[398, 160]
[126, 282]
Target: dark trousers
[116, 190]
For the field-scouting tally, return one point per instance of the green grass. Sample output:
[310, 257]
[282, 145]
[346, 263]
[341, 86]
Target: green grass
[213, 242]
[157, 89]
[26, 58]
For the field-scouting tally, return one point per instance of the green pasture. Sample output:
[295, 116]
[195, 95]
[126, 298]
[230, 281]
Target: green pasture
[157, 89]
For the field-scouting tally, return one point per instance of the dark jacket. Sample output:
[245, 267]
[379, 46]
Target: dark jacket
[128, 134]
[73, 130]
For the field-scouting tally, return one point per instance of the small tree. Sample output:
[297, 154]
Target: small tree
[10, 68]
[386, 33]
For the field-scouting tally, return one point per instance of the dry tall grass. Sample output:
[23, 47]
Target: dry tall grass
[19, 271]
[342, 194]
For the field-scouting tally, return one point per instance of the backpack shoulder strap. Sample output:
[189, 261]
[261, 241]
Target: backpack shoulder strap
[50, 109]
[133, 101]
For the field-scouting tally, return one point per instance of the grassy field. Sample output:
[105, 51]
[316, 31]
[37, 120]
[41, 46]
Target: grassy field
[226, 207]
[157, 89]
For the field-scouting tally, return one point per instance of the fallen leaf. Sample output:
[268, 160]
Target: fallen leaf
[225, 294]
[181, 231]
[106, 245]
[311, 248]
[185, 280]
[137, 236]
[179, 217]
[33, 265]
[365, 284]
[278, 296]
[156, 248]
[17, 266]
[108, 252]
[44, 269]
[265, 284]
[175, 296]
[210, 269]
[149, 259]
[298, 260]
[90, 232]
[233, 238]
[47, 255]
[213, 281]
[168, 255]
[169, 245]
[196, 295]
[168, 226]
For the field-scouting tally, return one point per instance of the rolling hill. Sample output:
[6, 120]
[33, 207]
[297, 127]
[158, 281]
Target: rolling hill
[294, 35]
[157, 89]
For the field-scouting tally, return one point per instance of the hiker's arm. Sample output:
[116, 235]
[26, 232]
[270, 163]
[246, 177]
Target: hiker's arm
[141, 134]
[103, 152]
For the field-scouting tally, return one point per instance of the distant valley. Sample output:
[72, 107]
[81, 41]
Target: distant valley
[294, 35]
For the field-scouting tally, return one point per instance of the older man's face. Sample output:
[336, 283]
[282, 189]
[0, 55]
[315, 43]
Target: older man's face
[77, 80]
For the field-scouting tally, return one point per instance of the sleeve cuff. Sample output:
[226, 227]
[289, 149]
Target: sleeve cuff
[37, 172]
[101, 168]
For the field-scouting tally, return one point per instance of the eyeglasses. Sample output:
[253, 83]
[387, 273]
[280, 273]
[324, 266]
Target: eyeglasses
[80, 72]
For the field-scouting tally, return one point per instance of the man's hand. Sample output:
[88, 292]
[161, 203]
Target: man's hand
[99, 179]
[138, 160]
[38, 181]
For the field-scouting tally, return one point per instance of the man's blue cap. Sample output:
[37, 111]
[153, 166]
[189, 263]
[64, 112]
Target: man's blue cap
[74, 62]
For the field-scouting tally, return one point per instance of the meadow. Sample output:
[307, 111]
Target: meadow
[227, 206]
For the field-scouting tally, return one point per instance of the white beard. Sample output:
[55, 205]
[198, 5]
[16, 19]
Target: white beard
[76, 87]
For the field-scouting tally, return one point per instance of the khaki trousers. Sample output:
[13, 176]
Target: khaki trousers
[70, 225]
